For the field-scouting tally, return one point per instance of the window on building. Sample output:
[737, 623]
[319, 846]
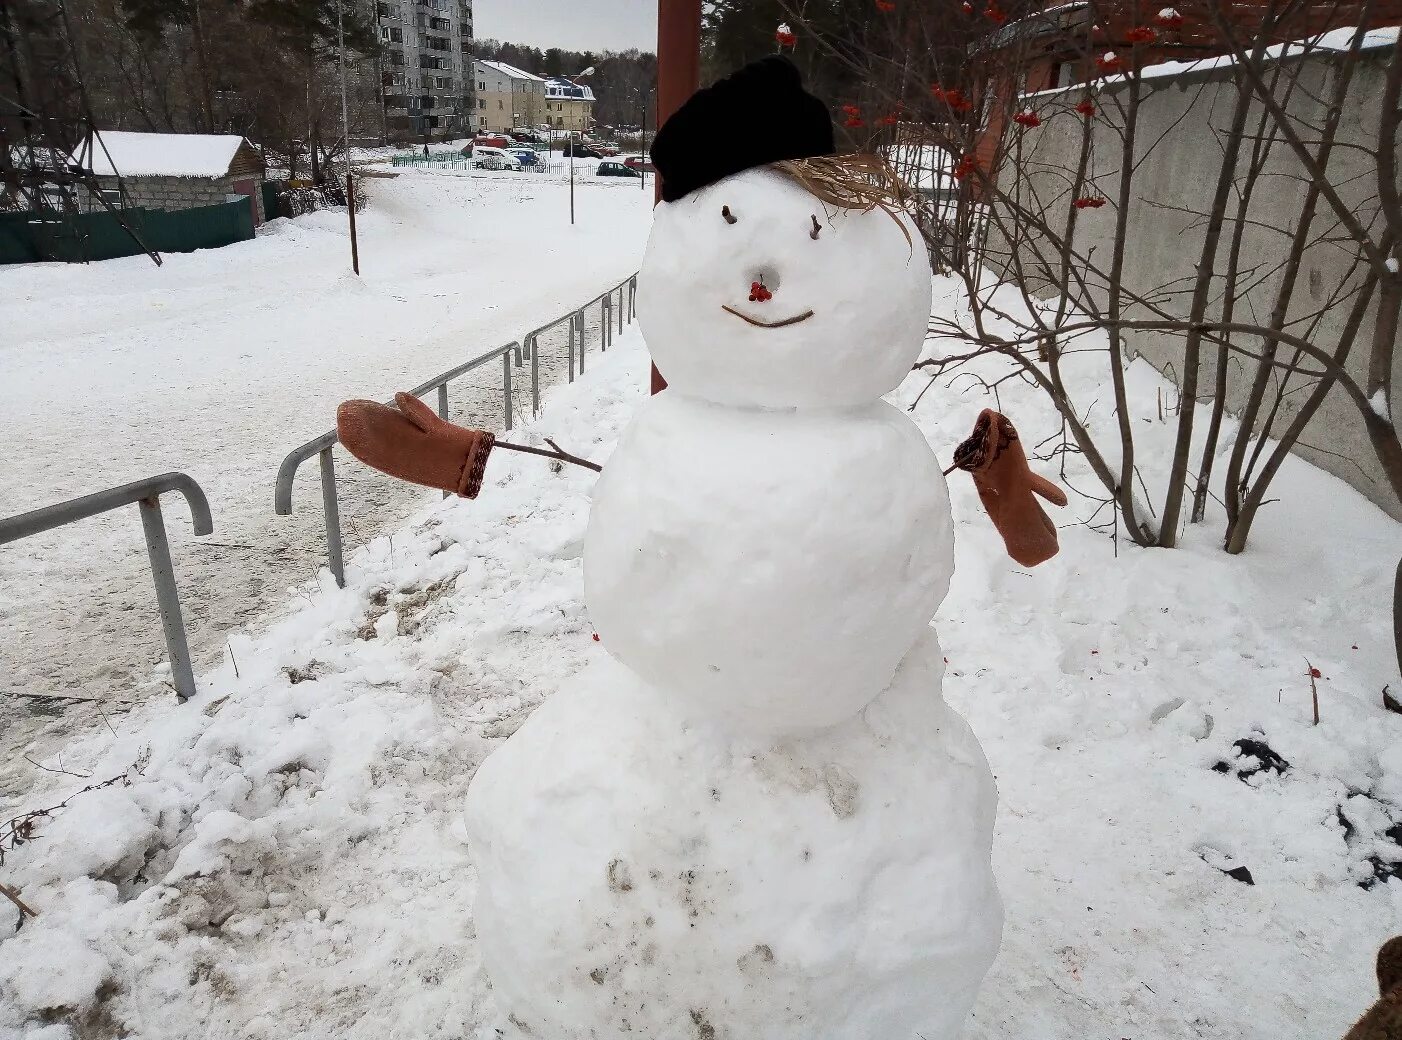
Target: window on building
[481, 85]
[483, 121]
[482, 103]
[559, 121]
[499, 104]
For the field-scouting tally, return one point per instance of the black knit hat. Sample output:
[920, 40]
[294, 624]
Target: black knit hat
[758, 115]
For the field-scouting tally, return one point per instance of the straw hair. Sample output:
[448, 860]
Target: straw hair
[857, 181]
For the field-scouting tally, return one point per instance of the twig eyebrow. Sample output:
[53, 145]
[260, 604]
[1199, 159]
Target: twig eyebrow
[730, 218]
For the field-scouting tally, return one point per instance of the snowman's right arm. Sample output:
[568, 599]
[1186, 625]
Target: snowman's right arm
[411, 442]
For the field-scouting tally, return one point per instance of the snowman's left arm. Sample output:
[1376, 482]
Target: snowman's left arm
[993, 456]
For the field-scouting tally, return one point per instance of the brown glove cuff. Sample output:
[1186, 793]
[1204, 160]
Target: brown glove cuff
[474, 463]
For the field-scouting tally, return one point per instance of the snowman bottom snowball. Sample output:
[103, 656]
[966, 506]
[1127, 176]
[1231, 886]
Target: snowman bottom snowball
[642, 877]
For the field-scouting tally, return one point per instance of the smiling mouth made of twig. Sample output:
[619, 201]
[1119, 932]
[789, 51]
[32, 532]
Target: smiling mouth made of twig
[768, 324]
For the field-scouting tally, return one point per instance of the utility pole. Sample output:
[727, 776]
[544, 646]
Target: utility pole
[678, 75]
[570, 142]
[642, 129]
[345, 133]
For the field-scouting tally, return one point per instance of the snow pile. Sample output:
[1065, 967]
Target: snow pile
[290, 859]
[133, 154]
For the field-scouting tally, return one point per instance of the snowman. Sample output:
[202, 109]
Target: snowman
[754, 817]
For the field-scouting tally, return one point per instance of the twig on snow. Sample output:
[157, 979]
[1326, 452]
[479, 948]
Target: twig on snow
[13, 896]
[1313, 673]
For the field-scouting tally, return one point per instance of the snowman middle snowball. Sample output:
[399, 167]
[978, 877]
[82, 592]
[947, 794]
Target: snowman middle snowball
[770, 538]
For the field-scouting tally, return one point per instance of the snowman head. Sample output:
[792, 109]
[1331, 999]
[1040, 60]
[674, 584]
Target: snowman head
[797, 284]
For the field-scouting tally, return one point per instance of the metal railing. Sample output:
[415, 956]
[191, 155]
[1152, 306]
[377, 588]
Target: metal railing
[576, 343]
[147, 495]
[322, 447]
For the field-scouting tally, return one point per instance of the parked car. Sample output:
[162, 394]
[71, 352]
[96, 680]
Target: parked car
[525, 156]
[639, 162]
[609, 168]
[492, 140]
[488, 157]
[580, 151]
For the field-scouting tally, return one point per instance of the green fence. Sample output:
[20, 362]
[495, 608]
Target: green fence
[437, 160]
[25, 238]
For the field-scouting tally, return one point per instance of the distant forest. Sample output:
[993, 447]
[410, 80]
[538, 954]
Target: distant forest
[621, 79]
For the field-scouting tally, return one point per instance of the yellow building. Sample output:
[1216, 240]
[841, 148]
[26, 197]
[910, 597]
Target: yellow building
[507, 97]
[568, 105]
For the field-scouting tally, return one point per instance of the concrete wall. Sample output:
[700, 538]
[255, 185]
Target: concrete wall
[171, 193]
[1181, 129]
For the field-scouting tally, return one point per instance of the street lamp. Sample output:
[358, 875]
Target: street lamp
[642, 129]
[569, 139]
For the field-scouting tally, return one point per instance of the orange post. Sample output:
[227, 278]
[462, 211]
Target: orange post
[678, 76]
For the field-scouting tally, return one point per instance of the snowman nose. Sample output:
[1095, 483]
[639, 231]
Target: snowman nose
[759, 294]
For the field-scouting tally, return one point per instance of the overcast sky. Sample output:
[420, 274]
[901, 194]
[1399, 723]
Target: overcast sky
[577, 25]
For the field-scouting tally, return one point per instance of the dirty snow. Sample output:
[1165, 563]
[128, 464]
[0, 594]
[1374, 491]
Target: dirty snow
[302, 869]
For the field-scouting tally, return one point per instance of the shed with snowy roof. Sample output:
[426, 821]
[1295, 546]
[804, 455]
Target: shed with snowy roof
[176, 171]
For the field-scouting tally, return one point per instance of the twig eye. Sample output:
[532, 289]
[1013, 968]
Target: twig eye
[730, 218]
[817, 229]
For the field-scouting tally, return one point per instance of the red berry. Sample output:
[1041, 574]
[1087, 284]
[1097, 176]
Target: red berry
[596, 637]
[1086, 108]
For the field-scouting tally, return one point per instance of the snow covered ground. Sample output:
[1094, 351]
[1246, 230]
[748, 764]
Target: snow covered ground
[286, 856]
[219, 363]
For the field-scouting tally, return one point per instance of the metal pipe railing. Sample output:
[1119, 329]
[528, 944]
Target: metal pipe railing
[322, 448]
[147, 495]
[517, 352]
[626, 311]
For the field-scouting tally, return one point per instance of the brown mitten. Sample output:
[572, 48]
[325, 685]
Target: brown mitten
[993, 455]
[412, 443]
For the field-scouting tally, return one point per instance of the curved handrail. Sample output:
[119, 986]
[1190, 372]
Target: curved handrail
[282, 491]
[146, 495]
[46, 518]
